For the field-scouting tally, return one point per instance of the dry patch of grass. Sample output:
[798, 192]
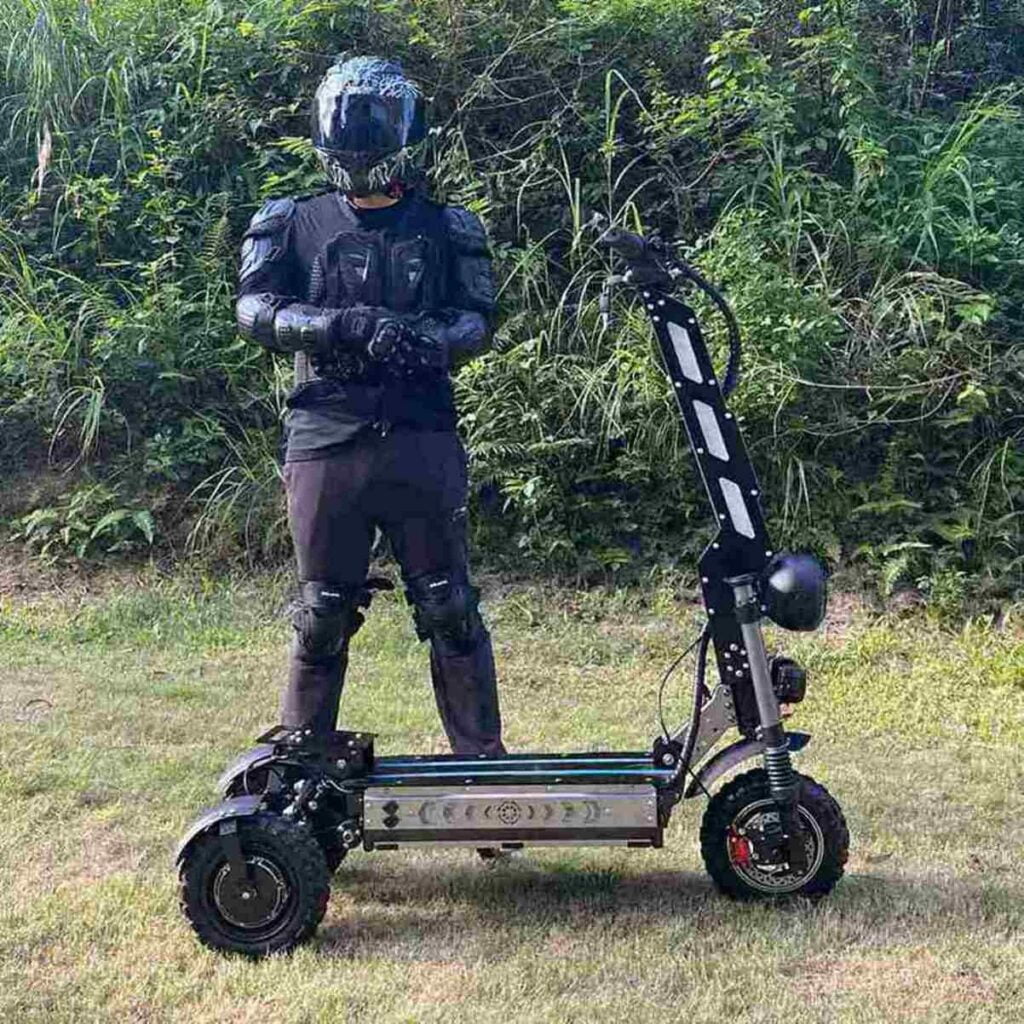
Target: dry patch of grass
[908, 983]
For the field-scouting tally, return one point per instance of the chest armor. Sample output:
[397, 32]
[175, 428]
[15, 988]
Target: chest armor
[374, 268]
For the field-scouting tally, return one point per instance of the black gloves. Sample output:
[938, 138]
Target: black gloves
[389, 340]
[404, 352]
[354, 326]
[346, 338]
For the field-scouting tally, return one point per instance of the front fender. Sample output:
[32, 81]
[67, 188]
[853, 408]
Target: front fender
[736, 753]
[236, 807]
[244, 763]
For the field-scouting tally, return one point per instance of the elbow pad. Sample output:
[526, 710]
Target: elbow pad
[286, 326]
[470, 333]
[255, 314]
[302, 328]
[464, 333]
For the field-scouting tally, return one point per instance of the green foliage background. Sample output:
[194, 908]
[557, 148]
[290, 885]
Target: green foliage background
[850, 173]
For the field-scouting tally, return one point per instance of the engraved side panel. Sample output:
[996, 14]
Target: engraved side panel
[510, 814]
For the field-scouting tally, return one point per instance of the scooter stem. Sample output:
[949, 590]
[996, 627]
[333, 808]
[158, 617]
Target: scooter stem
[748, 615]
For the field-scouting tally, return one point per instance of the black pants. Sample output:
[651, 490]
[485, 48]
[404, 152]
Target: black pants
[412, 484]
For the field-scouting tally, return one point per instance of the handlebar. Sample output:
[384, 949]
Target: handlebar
[651, 265]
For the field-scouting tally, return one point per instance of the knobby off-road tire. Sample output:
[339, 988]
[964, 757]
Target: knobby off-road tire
[288, 886]
[334, 850]
[728, 857]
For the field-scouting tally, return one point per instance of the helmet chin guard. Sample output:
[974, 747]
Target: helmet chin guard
[391, 176]
[367, 121]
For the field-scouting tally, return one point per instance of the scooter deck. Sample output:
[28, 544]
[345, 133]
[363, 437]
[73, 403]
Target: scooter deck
[513, 801]
[583, 798]
[613, 767]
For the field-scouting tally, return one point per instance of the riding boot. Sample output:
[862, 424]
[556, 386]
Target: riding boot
[314, 689]
[466, 691]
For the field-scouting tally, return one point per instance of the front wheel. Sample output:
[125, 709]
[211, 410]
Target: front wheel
[271, 907]
[742, 861]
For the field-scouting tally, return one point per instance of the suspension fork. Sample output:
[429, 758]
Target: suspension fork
[778, 766]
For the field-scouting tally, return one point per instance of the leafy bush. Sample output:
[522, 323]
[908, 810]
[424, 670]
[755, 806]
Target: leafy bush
[87, 523]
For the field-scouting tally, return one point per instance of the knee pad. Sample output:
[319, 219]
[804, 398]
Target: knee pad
[325, 617]
[445, 611]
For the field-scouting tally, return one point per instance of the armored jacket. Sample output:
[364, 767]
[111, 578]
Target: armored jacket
[306, 262]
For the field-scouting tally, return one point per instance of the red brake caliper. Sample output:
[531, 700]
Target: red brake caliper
[739, 848]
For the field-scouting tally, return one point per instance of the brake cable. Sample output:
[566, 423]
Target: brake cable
[699, 688]
[732, 371]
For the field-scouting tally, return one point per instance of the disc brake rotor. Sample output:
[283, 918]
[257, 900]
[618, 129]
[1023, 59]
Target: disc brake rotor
[747, 855]
[251, 902]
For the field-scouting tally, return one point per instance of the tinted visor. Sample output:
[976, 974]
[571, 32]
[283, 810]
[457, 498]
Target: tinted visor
[357, 122]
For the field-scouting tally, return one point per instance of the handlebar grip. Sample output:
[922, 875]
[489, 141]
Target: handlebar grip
[632, 248]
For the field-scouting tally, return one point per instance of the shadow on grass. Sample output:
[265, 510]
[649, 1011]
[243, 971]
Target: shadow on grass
[421, 909]
[412, 910]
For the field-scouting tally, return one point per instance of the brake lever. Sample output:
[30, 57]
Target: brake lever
[647, 259]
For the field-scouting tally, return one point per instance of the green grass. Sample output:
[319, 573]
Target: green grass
[120, 703]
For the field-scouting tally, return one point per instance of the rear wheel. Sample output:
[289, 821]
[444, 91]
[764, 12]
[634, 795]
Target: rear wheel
[271, 907]
[743, 862]
[264, 780]
[333, 849]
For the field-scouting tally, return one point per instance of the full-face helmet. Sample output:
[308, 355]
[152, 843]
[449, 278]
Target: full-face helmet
[367, 119]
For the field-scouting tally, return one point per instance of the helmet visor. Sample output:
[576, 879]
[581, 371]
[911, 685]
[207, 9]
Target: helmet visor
[365, 123]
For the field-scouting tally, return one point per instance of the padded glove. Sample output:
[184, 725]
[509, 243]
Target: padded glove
[404, 352]
[354, 326]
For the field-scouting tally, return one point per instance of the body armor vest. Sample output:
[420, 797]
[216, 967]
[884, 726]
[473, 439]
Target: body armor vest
[400, 265]
[373, 268]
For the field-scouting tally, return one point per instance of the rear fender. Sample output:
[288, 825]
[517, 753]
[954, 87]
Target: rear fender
[228, 810]
[244, 763]
[736, 753]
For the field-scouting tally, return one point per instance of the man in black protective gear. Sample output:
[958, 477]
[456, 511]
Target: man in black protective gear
[379, 292]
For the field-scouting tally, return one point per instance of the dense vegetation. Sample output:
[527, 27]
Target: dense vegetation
[849, 172]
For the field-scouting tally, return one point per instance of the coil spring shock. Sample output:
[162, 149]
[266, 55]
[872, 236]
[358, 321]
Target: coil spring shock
[778, 767]
[784, 787]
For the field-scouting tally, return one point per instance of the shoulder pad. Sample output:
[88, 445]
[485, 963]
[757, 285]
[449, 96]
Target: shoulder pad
[325, 190]
[465, 230]
[271, 217]
[308, 197]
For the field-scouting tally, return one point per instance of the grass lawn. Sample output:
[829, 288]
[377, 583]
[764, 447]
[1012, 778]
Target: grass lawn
[121, 702]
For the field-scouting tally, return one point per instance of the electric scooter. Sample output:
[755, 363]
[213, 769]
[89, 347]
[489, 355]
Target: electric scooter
[255, 869]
